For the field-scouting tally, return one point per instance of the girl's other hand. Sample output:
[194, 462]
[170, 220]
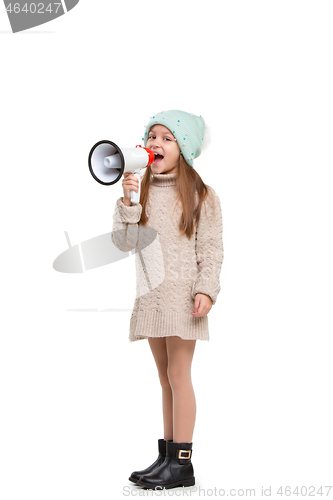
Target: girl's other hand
[130, 182]
[202, 305]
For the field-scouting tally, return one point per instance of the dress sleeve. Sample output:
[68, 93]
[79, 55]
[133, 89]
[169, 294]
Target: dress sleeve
[125, 225]
[209, 247]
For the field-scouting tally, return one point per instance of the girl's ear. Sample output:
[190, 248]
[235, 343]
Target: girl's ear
[206, 139]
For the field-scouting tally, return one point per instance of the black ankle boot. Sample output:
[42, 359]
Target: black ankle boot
[160, 459]
[176, 470]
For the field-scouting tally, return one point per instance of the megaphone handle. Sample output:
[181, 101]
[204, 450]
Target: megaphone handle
[135, 196]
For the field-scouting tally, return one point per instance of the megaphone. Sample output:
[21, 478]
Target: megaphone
[107, 163]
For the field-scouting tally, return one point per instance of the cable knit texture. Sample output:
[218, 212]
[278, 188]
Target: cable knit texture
[170, 269]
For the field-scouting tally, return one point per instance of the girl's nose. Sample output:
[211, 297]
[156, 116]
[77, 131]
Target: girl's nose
[155, 142]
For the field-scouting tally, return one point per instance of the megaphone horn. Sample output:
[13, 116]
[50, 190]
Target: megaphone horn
[105, 174]
[107, 163]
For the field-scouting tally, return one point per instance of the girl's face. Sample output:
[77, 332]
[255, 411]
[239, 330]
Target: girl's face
[162, 142]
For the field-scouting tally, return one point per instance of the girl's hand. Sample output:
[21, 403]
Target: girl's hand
[130, 182]
[202, 305]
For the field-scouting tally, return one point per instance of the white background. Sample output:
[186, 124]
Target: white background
[81, 405]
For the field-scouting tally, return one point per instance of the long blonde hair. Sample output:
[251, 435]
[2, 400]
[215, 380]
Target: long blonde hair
[188, 182]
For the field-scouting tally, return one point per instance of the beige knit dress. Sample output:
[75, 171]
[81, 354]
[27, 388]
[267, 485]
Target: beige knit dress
[170, 269]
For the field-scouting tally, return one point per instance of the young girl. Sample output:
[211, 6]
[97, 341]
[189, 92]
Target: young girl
[176, 296]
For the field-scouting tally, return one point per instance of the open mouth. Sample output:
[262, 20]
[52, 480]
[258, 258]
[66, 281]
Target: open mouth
[158, 158]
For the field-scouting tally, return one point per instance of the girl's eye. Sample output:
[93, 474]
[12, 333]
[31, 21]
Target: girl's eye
[154, 137]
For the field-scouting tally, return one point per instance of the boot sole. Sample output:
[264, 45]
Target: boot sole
[184, 482]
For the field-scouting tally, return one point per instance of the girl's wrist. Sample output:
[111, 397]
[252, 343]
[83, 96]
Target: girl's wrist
[127, 203]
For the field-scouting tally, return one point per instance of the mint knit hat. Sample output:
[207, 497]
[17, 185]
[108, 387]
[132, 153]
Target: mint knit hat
[187, 128]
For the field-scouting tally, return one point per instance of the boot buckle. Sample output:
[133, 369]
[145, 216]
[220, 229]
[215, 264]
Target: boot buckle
[181, 454]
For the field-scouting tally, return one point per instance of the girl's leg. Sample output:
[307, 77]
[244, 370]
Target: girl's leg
[158, 348]
[180, 353]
